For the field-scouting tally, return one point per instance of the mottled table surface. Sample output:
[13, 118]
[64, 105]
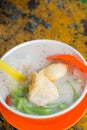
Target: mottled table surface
[62, 20]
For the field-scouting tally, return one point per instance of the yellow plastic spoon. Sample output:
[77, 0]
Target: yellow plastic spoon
[11, 71]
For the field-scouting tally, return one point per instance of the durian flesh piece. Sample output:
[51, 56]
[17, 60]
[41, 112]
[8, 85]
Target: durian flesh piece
[41, 90]
[54, 71]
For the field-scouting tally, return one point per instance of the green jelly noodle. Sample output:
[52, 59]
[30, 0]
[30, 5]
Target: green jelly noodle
[21, 103]
[75, 94]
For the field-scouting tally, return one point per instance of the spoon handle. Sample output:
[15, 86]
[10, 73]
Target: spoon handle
[11, 71]
[71, 59]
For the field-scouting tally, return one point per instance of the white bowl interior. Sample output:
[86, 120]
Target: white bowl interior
[32, 55]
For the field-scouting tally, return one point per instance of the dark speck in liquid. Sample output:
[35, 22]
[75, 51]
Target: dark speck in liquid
[44, 51]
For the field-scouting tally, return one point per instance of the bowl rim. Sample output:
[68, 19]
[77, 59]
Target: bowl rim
[54, 114]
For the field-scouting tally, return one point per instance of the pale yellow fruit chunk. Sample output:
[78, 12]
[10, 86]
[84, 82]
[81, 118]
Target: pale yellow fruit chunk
[54, 71]
[41, 90]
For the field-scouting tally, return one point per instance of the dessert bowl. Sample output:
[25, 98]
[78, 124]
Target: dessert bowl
[26, 58]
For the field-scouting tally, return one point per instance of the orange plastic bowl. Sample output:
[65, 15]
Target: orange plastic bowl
[35, 52]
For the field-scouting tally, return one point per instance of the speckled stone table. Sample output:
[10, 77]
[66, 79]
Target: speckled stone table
[62, 20]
